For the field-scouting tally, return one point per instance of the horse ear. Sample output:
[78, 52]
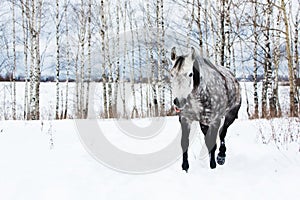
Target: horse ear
[173, 54]
[193, 53]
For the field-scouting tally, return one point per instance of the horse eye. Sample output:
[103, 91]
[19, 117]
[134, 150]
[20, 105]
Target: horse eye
[191, 74]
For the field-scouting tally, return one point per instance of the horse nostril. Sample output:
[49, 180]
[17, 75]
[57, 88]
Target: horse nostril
[176, 102]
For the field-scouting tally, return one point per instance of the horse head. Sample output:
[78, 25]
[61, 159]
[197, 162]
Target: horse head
[184, 77]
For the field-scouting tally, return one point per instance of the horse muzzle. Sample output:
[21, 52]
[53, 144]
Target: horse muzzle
[179, 104]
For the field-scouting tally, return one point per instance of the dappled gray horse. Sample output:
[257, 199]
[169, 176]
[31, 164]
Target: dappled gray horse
[206, 93]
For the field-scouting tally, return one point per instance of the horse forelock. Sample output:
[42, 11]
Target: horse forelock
[179, 63]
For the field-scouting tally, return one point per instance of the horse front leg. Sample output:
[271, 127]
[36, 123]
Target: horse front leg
[211, 140]
[229, 119]
[185, 128]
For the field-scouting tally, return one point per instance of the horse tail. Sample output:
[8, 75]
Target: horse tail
[238, 96]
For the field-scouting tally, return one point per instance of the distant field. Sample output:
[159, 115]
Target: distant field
[48, 99]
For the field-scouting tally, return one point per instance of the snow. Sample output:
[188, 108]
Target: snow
[41, 160]
[47, 160]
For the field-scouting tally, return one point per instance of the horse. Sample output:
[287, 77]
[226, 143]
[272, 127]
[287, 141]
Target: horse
[205, 93]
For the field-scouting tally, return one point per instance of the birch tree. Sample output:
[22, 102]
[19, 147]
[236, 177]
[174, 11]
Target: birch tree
[68, 59]
[25, 28]
[222, 32]
[296, 57]
[227, 29]
[124, 16]
[57, 25]
[158, 59]
[164, 62]
[83, 23]
[117, 54]
[275, 109]
[134, 112]
[104, 79]
[34, 20]
[266, 94]
[152, 65]
[293, 97]
[38, 60]
[14, 93]
[198, 21]
[89, 65]
[255, 57]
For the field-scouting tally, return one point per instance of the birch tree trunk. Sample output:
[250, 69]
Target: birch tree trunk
[227, 28]
[124, 15]
[275, 108]
[77, 78]
[268, 57]
[215, 33]
[82, 59]
[110, 79]
[104, 81]
[159, 64]
[147, 24]
[117, 70]
[153, 72]
[134, 112]
[31, 18]
[57, 60]
[222, 32]
[189, 23]
[68, 60]
[255, 94]
[34, 16]
[267, 84]
[207, 19]
[14, 112]
[293, 98]
[164, 61]
[25, 28]
[296, 60]
[89, 38]
[140, 75]
[38, 60]
[199, 25]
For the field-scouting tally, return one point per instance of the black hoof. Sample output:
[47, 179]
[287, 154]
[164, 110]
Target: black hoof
[213, 164]
[220, 159]
[185, 166]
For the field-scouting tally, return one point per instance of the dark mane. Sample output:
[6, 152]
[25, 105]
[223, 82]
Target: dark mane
[179, 62]
[196, 74]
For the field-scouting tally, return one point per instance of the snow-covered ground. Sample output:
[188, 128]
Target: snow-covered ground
[48, 99]
[46, 160]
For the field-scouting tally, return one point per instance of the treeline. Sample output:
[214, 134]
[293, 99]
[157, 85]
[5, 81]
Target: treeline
[117, 42]
[248, 78]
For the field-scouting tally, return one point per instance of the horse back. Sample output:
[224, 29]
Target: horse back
[231, 84]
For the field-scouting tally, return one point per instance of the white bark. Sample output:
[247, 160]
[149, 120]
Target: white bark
[104, 78]
[293, 112]
[117, 54]
[89, 67]
[57, 24]
[82, 59]
[276, 112]
[14, 62]
[25, 49]
[68, 60]
[255, 94]
[109, 63]
[199, 25]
